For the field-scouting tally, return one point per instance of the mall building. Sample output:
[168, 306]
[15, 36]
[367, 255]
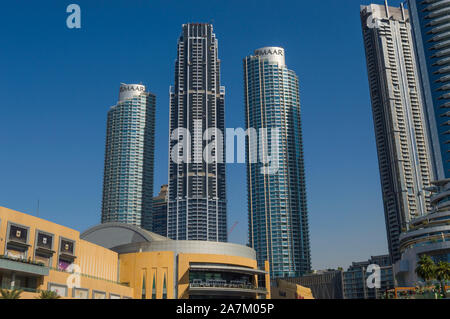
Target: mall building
[121, 261]
[427, 235]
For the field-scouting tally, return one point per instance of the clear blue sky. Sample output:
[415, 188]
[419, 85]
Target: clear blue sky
[57, 84]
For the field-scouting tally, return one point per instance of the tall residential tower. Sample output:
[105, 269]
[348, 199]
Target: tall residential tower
[129, 156]
[400, 130]
[430, 234]
[197, 199]
[278, 217]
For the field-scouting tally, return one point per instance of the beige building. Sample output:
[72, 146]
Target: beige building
[119, 261]
[288, 290]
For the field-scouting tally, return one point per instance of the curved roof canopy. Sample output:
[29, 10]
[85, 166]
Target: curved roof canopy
[110, 235]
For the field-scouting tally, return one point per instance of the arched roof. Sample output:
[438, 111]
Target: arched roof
[110, 235]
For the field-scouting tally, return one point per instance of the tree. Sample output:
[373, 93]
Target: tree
[426, 268]
[46, 294]
[10, 294]
[442, 273]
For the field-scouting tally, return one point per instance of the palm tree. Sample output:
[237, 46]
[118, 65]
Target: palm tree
[443, 275]
[426, 269]
[46, 294]
[10, 294]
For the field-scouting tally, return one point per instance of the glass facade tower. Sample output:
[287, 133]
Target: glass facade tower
[399, 120]
[197, 199]
[129, 156]
[431, 31]
[278, 218]
[159, 215]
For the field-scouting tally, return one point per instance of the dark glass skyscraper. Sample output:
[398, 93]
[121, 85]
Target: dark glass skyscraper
[278, 217]
[159, 215]
[197, 200]
[431, 31]
[129, 156]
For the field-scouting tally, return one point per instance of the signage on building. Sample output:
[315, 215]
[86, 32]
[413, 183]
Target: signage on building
[274, 51]
[127, 88]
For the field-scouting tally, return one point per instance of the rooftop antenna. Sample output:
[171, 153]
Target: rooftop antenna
[402, 6]
[387, 8]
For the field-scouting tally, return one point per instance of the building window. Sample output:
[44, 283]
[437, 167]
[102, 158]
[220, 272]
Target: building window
[17, 241]
[164, 288]
[80, 293]
[66, 253]
[18, 233]
[67, 247]
[154, 287]
[98, 295]
[61, 290]
[144, 295]
[44, 240]
[26, 283]
[44, 248]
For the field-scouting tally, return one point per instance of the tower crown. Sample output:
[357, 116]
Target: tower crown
[272, 54]
[128, 91]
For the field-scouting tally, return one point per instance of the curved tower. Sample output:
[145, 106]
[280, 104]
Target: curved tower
[278, 217]
[129, 156]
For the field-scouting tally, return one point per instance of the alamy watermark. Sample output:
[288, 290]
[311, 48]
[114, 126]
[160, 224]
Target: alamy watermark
[73, 21]
[373, 23]
[263, 146]
[374, 279]
[74, 280]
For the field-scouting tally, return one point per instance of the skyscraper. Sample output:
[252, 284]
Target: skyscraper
[431, 31]
[129, 156]
[429, 235]
[159, 215]
[400, 130]
[278, 217]
[197, 199]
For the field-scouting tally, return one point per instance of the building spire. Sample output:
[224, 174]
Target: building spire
[387, 8]
[402, 6]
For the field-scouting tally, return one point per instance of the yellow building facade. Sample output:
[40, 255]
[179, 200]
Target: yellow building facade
[288, 290]
[36, 254]
[119, 261]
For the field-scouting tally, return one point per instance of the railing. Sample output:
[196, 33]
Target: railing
[91, 277]
[40, 264]
[415, 293]
[22, 260]
[226, 285]
[424, 241]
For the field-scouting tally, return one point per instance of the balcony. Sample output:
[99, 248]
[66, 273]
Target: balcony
[222, 287]
[226, 268]
[222, 280]
[23, 266]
